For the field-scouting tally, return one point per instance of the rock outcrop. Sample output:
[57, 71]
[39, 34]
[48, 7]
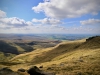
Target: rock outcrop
[7, 71]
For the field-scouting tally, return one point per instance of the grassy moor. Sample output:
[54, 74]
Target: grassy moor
[64, 57]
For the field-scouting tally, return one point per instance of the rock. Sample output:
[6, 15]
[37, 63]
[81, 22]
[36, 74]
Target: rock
[80, 60]
[21, 70]
[49, 68]
[41, 66]
[35, 71]
[90, 38]
[7, 71]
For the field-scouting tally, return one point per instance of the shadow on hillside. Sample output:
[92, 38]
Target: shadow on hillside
[6, 48]
[26, 47]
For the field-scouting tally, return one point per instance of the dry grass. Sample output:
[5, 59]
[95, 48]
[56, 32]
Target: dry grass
[44, 55]
[27, 57]
[20, 50]
[67, 58]
[85, 62]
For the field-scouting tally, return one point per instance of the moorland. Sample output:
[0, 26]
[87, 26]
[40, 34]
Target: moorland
[58, 55]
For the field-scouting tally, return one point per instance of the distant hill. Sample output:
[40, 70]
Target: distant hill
[14, 48]
[7, 48]
[60, 49]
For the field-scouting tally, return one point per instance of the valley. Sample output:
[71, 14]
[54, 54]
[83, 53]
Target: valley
[61, 57]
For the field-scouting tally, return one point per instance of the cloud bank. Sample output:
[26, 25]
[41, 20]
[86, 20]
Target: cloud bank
[57, 18]
[12, 22]
[90, 22]
[67, 8]
[47, 21]
[17, 25]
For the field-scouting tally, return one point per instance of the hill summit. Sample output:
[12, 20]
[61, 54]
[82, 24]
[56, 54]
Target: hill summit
[91, 42]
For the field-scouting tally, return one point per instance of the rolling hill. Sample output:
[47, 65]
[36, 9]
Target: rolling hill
[61, 49]
[79, 57]
[14, 48]
[71, 57]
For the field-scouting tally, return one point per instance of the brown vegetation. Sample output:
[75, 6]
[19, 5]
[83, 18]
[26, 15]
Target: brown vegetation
[78, 57]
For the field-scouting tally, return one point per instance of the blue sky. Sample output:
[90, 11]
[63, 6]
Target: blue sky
[50, 16]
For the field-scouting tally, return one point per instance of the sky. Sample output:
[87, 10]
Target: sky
[50, 16]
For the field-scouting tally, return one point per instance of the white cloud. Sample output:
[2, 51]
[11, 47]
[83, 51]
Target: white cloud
[67, 8]
[17, 25]
[47, 21]
[29, 23]
[90, 22]
[12, 22]
[2, 14]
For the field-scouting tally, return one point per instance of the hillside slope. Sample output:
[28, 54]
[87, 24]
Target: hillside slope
[14, 48]
[78, 57]
[48, 54]
[91, 43]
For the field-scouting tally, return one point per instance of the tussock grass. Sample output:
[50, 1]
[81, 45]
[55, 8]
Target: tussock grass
[71, 64]
[67, 58]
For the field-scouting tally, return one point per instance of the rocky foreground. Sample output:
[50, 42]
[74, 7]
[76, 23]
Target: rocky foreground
[32, 71]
